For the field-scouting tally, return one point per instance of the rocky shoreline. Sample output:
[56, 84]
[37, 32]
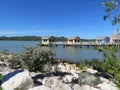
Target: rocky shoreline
[63, 76]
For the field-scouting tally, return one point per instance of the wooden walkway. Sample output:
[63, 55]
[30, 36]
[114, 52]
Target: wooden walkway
[78, 44]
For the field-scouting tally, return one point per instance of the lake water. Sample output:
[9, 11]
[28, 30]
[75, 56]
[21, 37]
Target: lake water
[67, 53]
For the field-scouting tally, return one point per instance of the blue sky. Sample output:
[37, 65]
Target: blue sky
[54, 17]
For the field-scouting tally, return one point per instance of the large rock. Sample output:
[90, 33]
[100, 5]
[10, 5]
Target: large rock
[19, 81]
[62, 86]
[86, 78]
[55, 84]
[107, 86]
[40, 88]
[87, 87]
[76, 87]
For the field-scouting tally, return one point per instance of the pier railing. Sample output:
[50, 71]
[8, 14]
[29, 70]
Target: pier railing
[89, 43]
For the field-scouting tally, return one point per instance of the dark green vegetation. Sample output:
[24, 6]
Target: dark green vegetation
[1, 81]
[33, 59]
[30, 38]
[110, 66]
[36, 38]
[111, 8]
[22, 38]
[59, 38]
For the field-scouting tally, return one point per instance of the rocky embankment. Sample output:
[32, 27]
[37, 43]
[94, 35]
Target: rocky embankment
[63, 76]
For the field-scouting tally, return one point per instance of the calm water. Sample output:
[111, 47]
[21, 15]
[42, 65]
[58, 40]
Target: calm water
[67, 53]
[15, 46]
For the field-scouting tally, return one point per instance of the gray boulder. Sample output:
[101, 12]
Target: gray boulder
[87, 87]
[86, 78]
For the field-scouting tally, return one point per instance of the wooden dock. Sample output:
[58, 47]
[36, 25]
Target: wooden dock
[80, 44]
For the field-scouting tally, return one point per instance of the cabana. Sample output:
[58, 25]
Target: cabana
[47, 40]
[73, 40]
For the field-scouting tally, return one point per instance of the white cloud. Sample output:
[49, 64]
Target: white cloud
[8, 32]
[25, 32]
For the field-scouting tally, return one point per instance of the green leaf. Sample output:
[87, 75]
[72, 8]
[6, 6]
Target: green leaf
[105, 17]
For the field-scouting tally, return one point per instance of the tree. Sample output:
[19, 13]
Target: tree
[112, 9]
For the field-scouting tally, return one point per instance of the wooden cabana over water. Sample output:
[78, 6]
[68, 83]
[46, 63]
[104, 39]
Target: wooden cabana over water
[115, 38]
[47, 40]
[73, 40]
[102, 40]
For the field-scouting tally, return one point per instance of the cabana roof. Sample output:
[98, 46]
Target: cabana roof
[101, 37]
[73, 37]
[46, 37]
[116, 35]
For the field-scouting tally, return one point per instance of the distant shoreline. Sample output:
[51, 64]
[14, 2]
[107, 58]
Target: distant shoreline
[35, 38]
[21, 38]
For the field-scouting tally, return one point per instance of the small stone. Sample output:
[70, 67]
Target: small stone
[67, 78]
[91, 71]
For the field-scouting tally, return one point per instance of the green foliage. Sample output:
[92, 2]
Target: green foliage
[111, 8]
[4, 52]
[109, 5]
[15, 61]
[60, 38]
[0, 88]
[33, 59]
[81, 66]
[89, 63]
[1, 77]
[22, 38]
[110, 64]
[4, 55]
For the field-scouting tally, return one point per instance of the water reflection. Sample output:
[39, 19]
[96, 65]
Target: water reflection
[77, 54]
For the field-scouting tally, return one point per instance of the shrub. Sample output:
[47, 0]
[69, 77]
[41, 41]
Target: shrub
[89, 63]
[33, 59]
[4, 52]
[110, 65]
[4, 55]
[1, 77]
